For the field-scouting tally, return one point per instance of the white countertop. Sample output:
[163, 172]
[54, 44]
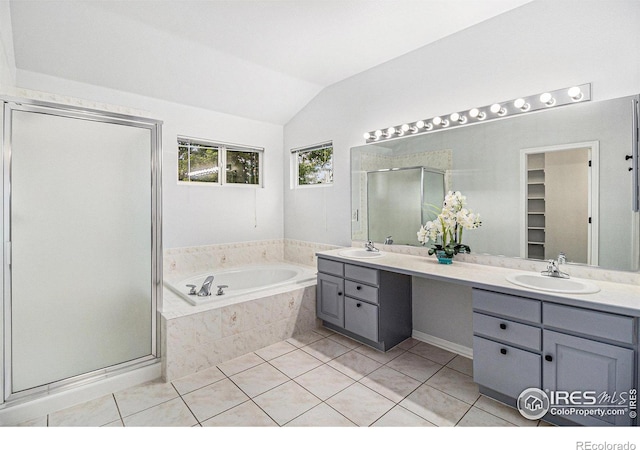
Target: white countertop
[613, 297]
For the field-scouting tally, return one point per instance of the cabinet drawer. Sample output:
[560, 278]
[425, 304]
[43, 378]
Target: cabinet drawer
[505, 369]
[592, 323]
[362, 274]
[508, 331]
[361, 318]
[507, 305]
[330, 267]
[361, 291]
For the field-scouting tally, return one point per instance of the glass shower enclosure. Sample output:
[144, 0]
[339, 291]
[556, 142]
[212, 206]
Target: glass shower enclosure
[401, 200]
[82, 245]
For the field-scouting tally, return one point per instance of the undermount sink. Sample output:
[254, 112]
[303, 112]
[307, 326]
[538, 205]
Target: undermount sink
[359, 253]
[552, 284]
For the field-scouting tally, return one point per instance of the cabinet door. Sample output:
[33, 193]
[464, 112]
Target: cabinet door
[330, 299]
[576, 364]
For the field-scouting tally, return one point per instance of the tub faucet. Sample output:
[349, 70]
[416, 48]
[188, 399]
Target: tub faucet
[221, 289]
[370, 247]
[205, 290]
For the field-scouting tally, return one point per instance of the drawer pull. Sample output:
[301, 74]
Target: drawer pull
[503, 351]
[358, 305]
[548, 358]
[503, 326]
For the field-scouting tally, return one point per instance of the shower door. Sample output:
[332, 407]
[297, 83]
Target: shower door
[400, 200]
[81, 245]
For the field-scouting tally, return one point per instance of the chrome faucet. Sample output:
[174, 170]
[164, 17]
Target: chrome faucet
[388, 241]
[370, 247]
[553, 267]
[221, 289]
[205, 290]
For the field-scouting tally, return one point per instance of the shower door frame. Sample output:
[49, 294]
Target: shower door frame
[10, 104]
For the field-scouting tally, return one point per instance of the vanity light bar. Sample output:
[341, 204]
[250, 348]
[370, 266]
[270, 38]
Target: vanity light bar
[523, 105]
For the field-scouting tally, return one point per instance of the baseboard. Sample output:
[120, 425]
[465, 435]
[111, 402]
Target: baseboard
[442, 343]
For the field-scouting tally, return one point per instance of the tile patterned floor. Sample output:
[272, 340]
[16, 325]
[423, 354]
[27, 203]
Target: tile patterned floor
[318, 379]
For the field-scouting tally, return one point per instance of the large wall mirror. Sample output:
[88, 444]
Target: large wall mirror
[552, 181]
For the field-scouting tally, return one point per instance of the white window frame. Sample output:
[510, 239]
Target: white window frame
[295, 167]
[223, 148]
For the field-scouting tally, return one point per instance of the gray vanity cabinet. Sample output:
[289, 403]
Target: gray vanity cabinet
[576, 364]
[523, 342]
[370, 305]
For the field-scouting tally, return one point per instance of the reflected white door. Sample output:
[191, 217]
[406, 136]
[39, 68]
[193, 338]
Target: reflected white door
[80, 221]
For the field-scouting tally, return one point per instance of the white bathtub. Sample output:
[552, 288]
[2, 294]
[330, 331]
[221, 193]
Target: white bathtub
[241, 281]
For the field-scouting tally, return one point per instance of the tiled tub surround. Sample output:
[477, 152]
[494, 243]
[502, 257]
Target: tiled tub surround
[195, 338]
[178, 262]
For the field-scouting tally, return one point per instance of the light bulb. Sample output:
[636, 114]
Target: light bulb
[575, 93]
[391, 131]
[477, 114]
[420, 124]
[405, 127]
[547, 99]
[378, 134]
[457, 117]
[521, 104]
[497, 109]
[440, 121]
[366, 136]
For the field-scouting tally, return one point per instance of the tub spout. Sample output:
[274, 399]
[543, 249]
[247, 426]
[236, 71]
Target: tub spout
[205, 290]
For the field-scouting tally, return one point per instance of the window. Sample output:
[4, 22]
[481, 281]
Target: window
[313, 165]
[202, 161]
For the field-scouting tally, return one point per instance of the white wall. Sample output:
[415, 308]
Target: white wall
[198, 215]
[541, 46]
[7, 59]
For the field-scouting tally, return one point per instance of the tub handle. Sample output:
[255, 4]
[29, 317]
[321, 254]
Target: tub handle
[220, 289]
[192, 288]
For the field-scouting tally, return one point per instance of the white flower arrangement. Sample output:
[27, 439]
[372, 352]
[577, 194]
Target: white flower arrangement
[452, 220]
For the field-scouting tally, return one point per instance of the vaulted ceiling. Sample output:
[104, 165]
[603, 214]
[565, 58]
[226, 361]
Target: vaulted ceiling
[263, 60]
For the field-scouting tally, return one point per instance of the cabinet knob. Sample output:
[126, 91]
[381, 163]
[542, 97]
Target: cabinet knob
[339, 293]
[548, 358]
[358, 305]
[503, 351]
[358, 287]
[503, 326]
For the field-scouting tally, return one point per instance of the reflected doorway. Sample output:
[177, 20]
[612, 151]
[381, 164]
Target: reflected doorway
[559, 189]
